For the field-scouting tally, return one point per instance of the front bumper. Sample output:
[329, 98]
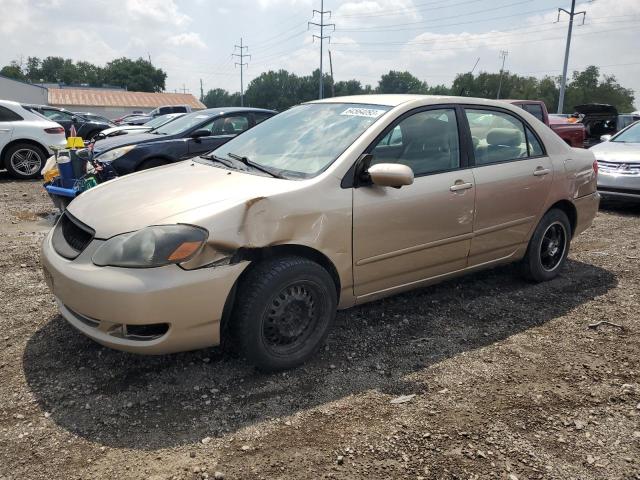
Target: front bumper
[102, 302]
[619, 184]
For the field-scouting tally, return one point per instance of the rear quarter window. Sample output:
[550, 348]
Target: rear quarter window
[7, 115]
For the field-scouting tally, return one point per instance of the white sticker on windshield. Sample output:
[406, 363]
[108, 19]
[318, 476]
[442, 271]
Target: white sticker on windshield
[363, 112]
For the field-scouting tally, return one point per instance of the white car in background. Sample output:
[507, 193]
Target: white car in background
[133, 129]
[26, 139]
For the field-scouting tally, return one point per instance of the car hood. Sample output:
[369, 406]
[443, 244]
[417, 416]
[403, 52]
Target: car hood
[617, 152]
[124, 140]
[184, 192]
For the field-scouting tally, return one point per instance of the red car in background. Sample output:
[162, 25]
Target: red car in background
[572, 133]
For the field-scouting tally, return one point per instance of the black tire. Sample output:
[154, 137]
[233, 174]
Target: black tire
[283, 311]
[151, 163]
[548, 247]
[24, 160]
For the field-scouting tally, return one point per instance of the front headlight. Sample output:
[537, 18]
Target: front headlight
[111, 155]
[151, 247]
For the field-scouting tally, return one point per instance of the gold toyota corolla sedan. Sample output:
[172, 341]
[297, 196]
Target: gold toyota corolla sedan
[327, 205]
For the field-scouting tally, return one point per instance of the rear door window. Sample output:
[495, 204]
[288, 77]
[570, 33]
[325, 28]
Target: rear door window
[500, 137]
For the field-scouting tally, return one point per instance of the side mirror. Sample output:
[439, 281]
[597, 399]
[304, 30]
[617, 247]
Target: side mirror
[74, 119]
[200, 133]
[605, 138]
[390, 175]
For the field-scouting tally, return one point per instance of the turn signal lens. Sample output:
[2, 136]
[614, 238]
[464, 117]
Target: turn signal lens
[184, 251]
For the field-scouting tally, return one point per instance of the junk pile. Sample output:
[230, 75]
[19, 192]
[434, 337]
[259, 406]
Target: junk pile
[72, 170]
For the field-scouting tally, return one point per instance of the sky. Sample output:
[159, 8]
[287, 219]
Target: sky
[194, 40]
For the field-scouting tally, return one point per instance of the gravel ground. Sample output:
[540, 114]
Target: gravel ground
[483, 377]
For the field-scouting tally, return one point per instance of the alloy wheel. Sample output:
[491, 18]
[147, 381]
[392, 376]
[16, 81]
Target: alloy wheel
[25, 161]
[553, 246]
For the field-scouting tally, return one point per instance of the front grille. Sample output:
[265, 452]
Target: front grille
[620, 167]
[71, 236]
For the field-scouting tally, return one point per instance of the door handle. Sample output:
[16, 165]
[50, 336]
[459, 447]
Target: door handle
[540, 171]
[460, 186]
[4, 130]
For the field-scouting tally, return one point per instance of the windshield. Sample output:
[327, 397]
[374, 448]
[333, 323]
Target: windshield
[304, 140]
[630, 135]
[183, 124]
[159, 121]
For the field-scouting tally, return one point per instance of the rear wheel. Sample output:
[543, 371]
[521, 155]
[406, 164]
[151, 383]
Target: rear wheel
[24, 160]
[152, 163]
[284, 309]
[548, 247]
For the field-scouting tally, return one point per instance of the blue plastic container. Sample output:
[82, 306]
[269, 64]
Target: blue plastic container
[66, 171]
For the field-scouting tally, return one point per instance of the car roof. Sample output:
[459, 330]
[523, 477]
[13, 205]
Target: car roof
[393, 100]
[223, 110]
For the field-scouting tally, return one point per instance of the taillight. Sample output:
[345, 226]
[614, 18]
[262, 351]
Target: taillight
[595, 167]
[54, 130]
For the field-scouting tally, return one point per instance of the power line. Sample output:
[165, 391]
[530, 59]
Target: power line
[488, 45]
[322, 12]
[571, 14]
[436, 20]
[241, 48]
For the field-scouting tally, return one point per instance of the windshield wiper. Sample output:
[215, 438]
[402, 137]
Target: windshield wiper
[255, 165]
[223, 161]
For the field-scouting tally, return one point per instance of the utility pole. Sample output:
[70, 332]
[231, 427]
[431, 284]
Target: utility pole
[184, 88]
[571, 14]
[322, 12]
[503, 55]
[333, 82]
[201, 91]
[241, 48]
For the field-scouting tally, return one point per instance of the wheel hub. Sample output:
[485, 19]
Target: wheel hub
[291, 314]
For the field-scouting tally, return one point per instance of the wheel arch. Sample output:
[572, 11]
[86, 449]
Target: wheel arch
[570, 210]
[21, 140]
[256, 255]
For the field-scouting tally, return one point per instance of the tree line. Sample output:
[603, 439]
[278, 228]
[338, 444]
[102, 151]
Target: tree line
[136, 75]
[281, 89]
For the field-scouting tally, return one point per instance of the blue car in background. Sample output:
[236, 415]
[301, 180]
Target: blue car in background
[186, 137]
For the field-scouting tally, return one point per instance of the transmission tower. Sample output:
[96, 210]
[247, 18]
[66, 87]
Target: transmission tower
[322, 12]
[571, 14]
[503, 55]
[241, 48]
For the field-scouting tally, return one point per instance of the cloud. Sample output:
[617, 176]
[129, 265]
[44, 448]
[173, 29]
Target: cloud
[160, 11]
[190, 39]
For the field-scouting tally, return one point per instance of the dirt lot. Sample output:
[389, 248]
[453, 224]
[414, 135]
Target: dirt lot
[509, 380]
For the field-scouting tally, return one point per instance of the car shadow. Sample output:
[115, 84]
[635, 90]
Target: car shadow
[141, 402]
[620, 206]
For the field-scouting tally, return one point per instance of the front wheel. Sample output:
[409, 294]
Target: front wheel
[284, 309]
[548, 247]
